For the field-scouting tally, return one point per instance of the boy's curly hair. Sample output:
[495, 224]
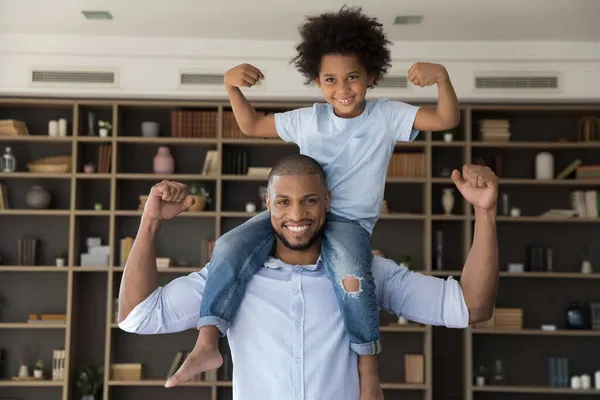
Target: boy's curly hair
[347, 31]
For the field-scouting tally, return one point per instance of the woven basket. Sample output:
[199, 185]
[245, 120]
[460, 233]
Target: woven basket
[58, 164]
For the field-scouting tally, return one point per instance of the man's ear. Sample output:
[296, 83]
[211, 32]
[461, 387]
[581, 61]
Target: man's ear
[267, 202]
[327, 200]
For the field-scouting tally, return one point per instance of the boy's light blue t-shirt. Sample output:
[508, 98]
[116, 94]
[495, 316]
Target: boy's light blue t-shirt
[354, 152]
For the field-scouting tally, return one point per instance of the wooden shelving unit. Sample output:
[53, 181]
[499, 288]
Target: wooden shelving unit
[407, 230]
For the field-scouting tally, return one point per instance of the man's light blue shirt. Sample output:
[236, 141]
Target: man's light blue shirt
[354, 152]
[288, 340]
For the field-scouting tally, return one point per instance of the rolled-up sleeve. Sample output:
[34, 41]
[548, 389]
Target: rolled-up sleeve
[172, 308]
[419, 298]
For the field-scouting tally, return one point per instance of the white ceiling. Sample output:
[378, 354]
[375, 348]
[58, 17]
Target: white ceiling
[529, 20]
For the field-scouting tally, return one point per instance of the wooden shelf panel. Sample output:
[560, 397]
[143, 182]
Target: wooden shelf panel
[527, 275]
[258, 142]
[171, 177]
[404, 386]
[410, 328]
[536, 332]
[187, 214]
[549, 220]
[31, 383]
[32, 268]
[37, 138]
[165, 140]
[94, 175]
[402, 216]
[534, 389]
[26, 212]
[405, 180]
[26, 325]
[549, 182]
[159, 382]
[35, 175]
[538, 145]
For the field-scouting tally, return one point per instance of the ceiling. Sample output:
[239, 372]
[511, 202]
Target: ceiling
[457, 20]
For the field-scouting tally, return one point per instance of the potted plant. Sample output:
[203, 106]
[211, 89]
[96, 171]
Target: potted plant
[89, 382]
[105, 127]
[201, 197]
[38, 370]
[60, 259]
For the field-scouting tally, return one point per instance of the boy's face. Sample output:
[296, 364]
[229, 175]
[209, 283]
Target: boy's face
[344, 82]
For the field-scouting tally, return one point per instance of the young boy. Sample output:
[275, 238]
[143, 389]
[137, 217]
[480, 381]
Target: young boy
[343, 53]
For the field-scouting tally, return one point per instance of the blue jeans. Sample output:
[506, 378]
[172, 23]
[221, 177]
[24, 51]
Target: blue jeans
[345, 252]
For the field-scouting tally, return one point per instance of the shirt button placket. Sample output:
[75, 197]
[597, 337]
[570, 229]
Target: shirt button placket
[298, 336]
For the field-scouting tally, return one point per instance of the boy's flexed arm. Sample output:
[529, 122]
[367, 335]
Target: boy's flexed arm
[447, 113]
[251, 124]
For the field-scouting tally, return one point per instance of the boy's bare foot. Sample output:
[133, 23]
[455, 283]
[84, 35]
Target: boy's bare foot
[204, 357]
[199, 360]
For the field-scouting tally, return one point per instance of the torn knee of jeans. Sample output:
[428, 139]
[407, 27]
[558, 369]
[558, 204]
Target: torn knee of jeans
[351, 285]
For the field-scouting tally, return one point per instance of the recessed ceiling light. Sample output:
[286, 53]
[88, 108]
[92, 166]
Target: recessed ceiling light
[97, 14]
[408, 19]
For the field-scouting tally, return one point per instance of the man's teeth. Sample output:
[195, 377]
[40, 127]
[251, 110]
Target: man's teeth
[297, 229]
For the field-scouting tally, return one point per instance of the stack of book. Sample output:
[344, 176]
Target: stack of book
[494, 130]
[414, 368]
[508, 318]
[407, 165]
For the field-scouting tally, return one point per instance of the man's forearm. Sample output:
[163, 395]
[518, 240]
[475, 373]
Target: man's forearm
[479, 279]
[139, 277]
[243, 111]
[448, 109]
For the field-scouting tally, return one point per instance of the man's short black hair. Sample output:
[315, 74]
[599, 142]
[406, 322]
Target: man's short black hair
[297, 164]
[346, 32]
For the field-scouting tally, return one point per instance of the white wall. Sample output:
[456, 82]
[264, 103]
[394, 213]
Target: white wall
[149, 67]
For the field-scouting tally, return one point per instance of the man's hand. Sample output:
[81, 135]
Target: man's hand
[244, 75]
[167, 199]
[478, 185]
[426, 74]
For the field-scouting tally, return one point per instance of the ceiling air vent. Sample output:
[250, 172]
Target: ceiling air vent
[189, 78]
[517, 82]
[73, 77]
[396, 82]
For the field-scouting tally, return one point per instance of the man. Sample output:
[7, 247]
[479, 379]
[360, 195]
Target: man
[288, 339]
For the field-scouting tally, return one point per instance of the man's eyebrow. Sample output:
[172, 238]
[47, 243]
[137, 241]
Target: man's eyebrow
[310, 195]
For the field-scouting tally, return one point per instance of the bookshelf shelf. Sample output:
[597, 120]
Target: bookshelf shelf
[408, 229]
[536, 332]
[40, 383]
[535, 389]
[26, 325]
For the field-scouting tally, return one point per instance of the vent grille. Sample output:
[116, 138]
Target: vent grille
[397, 82]
[201, 79]
[517, 82]
[73, 77]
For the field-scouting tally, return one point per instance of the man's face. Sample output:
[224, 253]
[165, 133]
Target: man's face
[298, 205]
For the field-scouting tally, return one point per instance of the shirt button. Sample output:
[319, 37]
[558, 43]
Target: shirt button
[298, 359]
[298, 323]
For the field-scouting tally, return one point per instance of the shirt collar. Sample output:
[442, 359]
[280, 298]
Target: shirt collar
[275, 263]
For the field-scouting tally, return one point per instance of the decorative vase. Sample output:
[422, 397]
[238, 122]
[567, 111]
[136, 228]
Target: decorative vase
[150, 129]
[163, 161]
[89, 168]
[544, 166]
[38, 373]
[448, 200]
[60, 262]
[88, 397]
[23, 371]
[103, 132]
[37, 197]
[53, 128]
[62, 127]
[250, 207]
